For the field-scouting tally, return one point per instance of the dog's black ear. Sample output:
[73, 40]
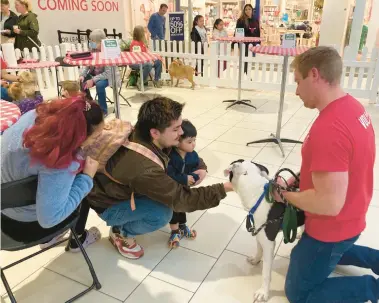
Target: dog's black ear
[238, 161]
[262, 168]
[230, 176]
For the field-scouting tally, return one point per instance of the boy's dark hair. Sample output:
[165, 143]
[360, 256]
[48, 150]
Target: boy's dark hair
[189, 130]
[163, 5]
[157, 113]
[5, 2]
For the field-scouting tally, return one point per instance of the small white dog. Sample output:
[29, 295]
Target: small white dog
[248, 181]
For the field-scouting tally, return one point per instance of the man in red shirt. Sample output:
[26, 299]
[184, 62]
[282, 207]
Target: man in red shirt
[336, 188]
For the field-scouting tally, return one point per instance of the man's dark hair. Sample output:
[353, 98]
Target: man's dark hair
[5, 2]
[163, 5]
[157, 113]
[189, 130]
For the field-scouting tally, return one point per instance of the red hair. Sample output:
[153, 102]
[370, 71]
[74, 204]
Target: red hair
[60, 128]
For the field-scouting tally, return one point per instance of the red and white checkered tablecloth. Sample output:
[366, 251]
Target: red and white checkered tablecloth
[127, 58]
[278, 50]
[9, 114]
[235, 39]
[34, 65]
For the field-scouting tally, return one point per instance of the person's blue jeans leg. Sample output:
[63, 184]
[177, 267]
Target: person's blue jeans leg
[4, 94]
[146, 68]
[148, 216]
[158, 69]
[102, 95]
[312, 262]
[363, 257]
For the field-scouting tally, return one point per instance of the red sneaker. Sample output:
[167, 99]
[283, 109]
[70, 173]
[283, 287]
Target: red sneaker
[127, 247]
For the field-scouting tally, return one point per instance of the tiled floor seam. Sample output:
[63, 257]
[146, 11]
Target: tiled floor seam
[146, 276]
[217, 259]
[42, 266]
[86, 286]
[152, 277]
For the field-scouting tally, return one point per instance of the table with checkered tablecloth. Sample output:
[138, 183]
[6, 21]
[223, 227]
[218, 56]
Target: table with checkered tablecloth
[286, 53]
[126, 58]
[9, 114]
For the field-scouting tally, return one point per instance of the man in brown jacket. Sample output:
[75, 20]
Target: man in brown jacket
[142, 180]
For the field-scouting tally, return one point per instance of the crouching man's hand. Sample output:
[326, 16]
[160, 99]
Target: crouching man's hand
[228, 187]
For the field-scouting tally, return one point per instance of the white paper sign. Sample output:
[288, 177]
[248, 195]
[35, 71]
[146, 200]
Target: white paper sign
[240, 33]
[110, 49]
[289, 41]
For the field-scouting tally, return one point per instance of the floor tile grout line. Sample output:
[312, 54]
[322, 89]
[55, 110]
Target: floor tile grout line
[73, 280]
[198, 252]
[42, 266]
[171, 284]
[217, 259]
[18, 283]
[147, 275]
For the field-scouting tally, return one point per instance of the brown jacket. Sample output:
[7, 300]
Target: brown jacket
[142, 176]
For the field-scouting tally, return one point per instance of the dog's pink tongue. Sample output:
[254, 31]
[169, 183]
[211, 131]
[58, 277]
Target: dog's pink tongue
[226, 172]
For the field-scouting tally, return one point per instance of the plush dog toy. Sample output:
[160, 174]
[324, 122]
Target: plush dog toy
[252, 183]
[178, 70]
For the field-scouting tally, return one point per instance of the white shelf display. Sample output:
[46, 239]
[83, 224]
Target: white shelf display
[211, 13]
[230, 12]
[270, 12]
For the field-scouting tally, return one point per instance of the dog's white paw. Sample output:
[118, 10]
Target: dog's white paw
[253, 261]
[261, 295]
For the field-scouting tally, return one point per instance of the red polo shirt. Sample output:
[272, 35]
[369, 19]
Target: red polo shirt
[341, 140]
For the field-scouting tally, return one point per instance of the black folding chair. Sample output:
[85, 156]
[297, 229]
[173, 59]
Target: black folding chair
[17, 235]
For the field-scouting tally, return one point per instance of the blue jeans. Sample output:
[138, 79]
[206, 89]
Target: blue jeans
[313, 261]
[102, 95]
[147, 67]
[4, 94]
[148, 216]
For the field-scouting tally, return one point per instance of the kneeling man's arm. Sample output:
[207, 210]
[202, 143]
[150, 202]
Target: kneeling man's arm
[329, 156]
[326, 198]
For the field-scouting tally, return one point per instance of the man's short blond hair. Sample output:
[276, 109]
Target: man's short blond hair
[325, 59]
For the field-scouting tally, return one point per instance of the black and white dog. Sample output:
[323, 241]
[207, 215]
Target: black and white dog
[249, 180]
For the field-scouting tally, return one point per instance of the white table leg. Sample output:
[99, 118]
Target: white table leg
[240, 71]
[115, 93]
[275, 138]
[141, 76]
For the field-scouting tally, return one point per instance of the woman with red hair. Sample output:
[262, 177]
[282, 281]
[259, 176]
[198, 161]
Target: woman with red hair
[47, 142]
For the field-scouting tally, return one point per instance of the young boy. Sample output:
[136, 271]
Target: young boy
[70, 89]
[184, 161]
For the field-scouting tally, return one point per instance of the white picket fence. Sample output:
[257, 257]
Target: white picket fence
[47, 77]
[360, 78]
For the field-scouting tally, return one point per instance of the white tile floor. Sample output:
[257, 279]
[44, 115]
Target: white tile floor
[213, 267]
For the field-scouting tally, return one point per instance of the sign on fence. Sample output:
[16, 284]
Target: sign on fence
[176, 26]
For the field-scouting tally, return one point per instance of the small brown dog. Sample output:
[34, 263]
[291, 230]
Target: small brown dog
[180, 71]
